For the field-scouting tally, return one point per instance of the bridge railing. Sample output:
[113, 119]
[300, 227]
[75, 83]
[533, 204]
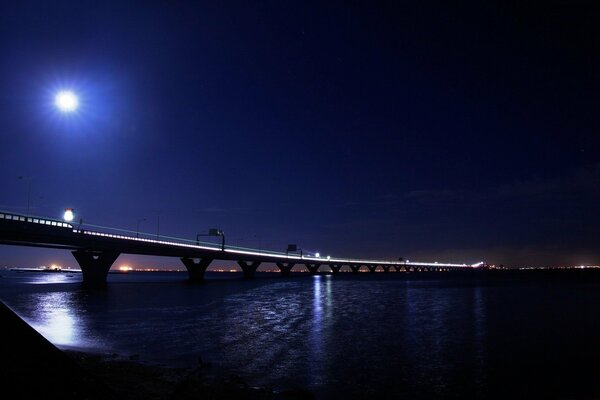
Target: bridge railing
[172, 240]
[34, 220]
[125, 234]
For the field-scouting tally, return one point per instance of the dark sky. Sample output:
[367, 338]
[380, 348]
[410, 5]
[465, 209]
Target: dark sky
[421, 130]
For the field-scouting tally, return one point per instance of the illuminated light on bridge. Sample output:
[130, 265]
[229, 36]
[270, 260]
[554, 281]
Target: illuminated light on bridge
[69, 215]
[66, 101]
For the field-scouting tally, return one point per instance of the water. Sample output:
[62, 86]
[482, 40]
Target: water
[426, 335]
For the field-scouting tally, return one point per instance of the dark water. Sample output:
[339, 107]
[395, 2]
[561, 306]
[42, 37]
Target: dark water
[420, 335]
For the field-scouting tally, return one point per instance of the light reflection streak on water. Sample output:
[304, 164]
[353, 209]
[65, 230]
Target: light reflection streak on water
[322, 320]
[55, 319]
[315, 335]
[328, 298]
[50, 278]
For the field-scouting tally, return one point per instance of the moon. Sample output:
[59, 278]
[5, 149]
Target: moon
[66, 101]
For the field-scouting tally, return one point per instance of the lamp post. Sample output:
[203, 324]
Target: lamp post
[137, 229]
[258, 241]
[213, 232]
[69, 214]
[157, 224]
[218, 232]
[28, 191]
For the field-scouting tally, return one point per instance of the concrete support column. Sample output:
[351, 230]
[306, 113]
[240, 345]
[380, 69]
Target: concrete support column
[195, 268]
[386, 268]
[312, 268]
[372, 268]
[335, 268]
[249, 268]
[95, 265]
[285, 268]
[397, 268]
[355, 268]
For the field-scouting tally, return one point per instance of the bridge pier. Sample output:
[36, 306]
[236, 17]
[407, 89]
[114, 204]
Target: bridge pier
[335, 268]
[249, 268]
[196, 269]
[285, 268]
[355, 268]
[386, 268]
[372, 268]
[312, 268]
[95, 265]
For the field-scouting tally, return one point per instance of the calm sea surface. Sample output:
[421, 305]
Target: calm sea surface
[396, 335]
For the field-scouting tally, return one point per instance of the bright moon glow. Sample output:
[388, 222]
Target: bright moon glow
[66, 101]
[69, 215]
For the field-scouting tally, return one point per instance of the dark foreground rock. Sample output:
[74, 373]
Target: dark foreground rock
[137, 380]
[32, 367]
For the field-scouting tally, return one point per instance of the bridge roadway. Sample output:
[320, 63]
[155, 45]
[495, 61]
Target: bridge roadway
[96, 251]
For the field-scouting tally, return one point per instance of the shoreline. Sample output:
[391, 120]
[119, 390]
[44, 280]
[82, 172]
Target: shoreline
[32, 366]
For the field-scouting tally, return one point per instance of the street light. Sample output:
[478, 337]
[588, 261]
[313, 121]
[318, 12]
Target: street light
[28, 191]
[213, 232]
[137, 229]
[157, 224]
[69, 215]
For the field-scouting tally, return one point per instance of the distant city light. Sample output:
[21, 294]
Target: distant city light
[66, 101]
[69, 215]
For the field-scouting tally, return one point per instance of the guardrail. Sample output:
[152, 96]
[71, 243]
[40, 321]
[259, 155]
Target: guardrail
[173, 241]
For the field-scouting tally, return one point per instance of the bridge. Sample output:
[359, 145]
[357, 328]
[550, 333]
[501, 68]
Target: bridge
[96, 250]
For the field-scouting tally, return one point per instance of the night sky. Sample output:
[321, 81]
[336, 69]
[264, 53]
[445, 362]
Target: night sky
[422, 130]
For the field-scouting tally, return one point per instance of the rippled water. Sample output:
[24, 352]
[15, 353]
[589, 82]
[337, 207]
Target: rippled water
[383, 335]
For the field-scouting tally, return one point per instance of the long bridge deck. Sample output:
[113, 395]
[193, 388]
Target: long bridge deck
[96, 250]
